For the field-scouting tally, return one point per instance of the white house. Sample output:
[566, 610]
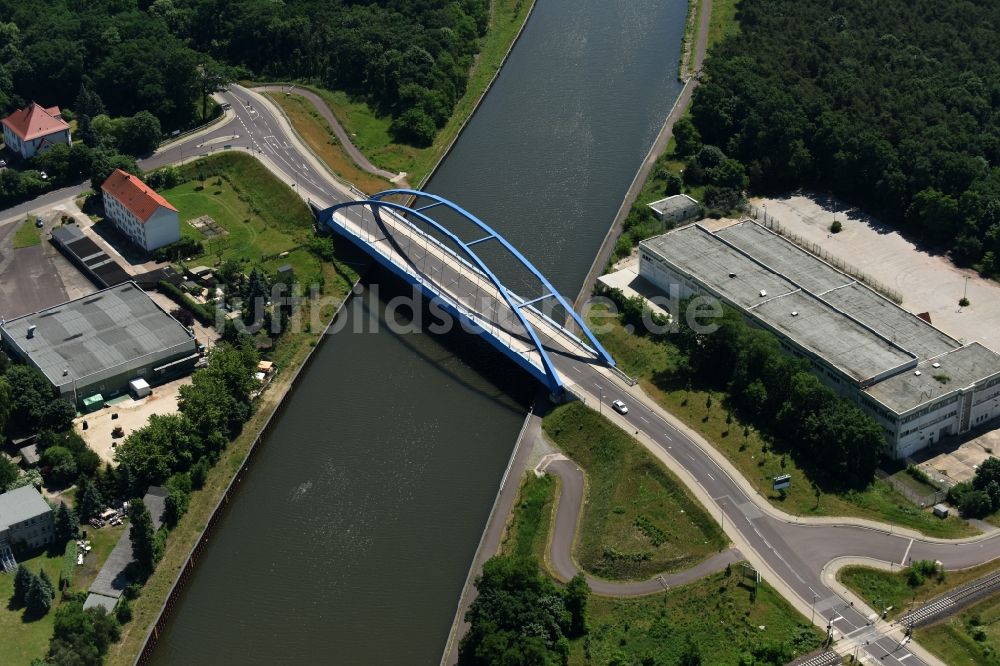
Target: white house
[34, 129]
[139, 212]
[25, 519]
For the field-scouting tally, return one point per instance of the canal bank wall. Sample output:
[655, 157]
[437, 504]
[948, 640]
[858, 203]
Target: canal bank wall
[496, 524]
[152, 636]
[680, 106]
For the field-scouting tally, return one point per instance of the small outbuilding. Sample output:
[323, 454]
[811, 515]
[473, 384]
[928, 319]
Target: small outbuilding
[677, 208]
[940, 510]
[30, 456]
[139, 388]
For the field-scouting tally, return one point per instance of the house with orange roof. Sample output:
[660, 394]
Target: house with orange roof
[34, 129]
[139, 212]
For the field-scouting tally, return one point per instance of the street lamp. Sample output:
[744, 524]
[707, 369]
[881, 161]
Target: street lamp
[812, 619]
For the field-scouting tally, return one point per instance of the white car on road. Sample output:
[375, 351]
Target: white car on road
[619, 407]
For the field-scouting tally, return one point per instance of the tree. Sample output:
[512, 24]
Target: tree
[166, 444]
[145, 547]
[123, 611]
[67, 525]
[212, 77]
[58, 466]
[6, 403]
[41, 592]
[674, 185]
[140, 134]
[691, 656]
[687, 137]
[519, 617]
[415, 127]
[576, 596]
[88, 103]
[31, 393]
[89, 502]
[975, 504]
[8, 473]
[105, 163]
[81, 637]
[22, 582]
[199, 474]
[58, 415]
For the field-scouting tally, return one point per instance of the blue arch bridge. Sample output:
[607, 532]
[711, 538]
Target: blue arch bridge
[407, 239]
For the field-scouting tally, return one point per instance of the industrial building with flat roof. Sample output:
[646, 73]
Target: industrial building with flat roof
[919, 383]
[90, 348]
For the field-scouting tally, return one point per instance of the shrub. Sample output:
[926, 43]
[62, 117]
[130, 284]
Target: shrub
[963, 302]
[203, 313]
[185, 247]
[836, 227]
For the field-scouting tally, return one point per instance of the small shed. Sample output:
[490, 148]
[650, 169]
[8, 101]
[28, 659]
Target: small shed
[677, 208]
[286, 273]
[266, 367]
[93, 402]
[139, 388]
[29, 455]
[940, 510]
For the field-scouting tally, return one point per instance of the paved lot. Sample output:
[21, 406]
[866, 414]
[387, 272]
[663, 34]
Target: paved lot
[928, 283]
[38, 277]
[132, 414]
[959, 463]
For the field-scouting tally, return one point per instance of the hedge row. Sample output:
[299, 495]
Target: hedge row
[203, 313]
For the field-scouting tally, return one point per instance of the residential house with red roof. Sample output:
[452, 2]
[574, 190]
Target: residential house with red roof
[139, 212]
[34, 129]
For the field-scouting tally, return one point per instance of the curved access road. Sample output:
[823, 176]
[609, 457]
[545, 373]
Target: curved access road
[564, 532]
[324, 110]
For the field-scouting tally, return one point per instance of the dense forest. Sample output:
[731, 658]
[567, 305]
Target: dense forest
[409, 58]
[894, 105]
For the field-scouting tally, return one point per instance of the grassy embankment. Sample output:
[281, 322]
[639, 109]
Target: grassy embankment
[21, 641]
[369, 131]
[717, 613]
[886, 588]
[27, 234]
[279, 212]
[318, 135]
[639, 520]
[971, 638]
[653, 363]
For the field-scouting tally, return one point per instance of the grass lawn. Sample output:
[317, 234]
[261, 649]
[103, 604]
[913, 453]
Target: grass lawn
[891, 589]
[278, 207]
[722, 23]
[21, 641]
[527, 533]
[971, 638]
[717, 613]
[27, 234]
[316, 132]
[639, 518]
[370, 131]
[651, 362]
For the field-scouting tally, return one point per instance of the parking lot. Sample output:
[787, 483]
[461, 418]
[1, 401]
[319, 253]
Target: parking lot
[129, 415]
[37, 277]
[928, 283]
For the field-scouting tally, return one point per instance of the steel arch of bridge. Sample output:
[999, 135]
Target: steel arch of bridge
[377, 201]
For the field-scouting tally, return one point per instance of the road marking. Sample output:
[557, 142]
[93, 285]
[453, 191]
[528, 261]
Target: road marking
[710, 476]
[904, 658]
[644, 419]
[669, 438]
[576, 368]
[910, 545]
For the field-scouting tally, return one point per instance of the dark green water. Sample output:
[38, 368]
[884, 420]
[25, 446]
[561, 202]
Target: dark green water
[350, 539]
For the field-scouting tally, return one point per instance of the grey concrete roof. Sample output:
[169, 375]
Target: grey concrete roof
[956, 370]
[674, 204]
[695, 251]
[112, 580]
[841, 341]
[29, 454]
[784, 257]
[96, 332]
[100, 601]
[21, 504]
[905, 329]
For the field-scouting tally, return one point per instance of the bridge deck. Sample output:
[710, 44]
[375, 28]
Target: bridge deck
[435, 267]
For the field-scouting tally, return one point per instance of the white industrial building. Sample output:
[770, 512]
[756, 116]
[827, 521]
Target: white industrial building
[90, 349]
[139, 212]
[919, 383]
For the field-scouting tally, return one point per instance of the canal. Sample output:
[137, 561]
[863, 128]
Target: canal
[350, 538]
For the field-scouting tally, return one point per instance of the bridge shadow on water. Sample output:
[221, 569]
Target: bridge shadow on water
[455, 352]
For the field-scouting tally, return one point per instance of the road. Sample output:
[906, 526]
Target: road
[790, 552]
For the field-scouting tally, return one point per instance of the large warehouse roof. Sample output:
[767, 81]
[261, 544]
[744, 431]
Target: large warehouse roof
[105, 329]
[936, 377]
[836, 318]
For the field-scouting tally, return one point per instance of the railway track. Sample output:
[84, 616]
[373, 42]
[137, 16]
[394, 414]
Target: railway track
[952, 602]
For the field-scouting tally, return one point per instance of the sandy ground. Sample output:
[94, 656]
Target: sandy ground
[928, 283]
[132, 414]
